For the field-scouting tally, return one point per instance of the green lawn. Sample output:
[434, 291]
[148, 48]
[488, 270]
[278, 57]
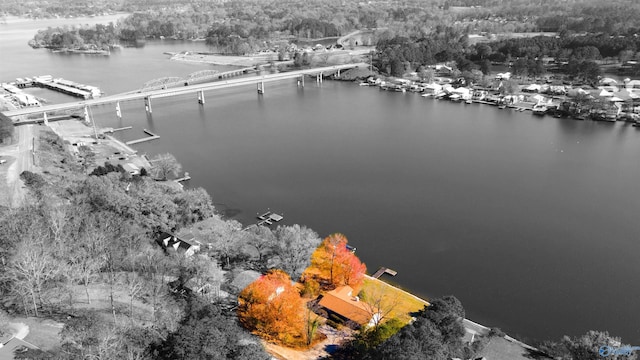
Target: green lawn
[396, 302]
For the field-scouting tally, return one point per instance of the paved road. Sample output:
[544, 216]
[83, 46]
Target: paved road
[24, 161]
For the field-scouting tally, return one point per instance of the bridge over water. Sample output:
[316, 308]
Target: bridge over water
[198, 89]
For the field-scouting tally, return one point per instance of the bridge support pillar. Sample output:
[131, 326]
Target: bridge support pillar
[301, 81]
[261, 87]
[44, 116]
[147, 105]
[319, 78]
[201, 97]
[87, 119]
[338, 73]
[118, 111]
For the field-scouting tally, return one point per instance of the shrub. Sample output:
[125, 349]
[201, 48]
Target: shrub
[496, 332]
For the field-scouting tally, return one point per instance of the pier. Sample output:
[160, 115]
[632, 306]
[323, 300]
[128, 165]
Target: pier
[111, 131]
[266, 219]
[186, 177]
[269, 218]
[151, 136]
[384, 270]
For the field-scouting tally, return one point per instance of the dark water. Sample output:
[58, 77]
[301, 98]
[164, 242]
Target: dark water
[531, 222]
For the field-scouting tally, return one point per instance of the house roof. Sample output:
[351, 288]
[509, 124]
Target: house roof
[245, 278]
[342, 302]
[170, 240]
[625, 95]
[8, 350]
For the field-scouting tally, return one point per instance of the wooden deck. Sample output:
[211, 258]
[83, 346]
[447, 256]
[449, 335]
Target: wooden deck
[384, 270]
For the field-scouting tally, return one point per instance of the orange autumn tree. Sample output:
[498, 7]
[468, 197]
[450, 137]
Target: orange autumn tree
[334, 264]
[272, 308]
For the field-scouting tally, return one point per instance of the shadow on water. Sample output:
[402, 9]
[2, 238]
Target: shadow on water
[202, 114]
[150, 124]
[226, 212]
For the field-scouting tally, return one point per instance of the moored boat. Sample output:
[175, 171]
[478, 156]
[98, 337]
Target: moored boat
[539, 109]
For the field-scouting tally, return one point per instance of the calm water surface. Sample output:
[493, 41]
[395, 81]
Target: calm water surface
[531, 222]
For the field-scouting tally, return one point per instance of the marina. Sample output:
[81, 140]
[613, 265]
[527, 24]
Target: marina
[60, 85]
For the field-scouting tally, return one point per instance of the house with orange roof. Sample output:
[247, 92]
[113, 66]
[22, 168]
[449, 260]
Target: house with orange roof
[346, 305]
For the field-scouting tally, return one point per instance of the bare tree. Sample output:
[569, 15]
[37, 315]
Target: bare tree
[207, 276]
[154, 265]
[135, 286]
[87, 257]
[261, 238]
[294, 246]
[380, 300]
[164, 165]
[32, 266]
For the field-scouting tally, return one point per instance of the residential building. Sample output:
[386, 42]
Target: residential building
[343, 303]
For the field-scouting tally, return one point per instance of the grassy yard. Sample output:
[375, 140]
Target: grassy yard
[398, 303]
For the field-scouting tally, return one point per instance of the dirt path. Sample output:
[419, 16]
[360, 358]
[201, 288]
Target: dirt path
[321, 350]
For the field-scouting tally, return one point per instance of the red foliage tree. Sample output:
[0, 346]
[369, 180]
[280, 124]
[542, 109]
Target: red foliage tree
[272, 308]
[333, 263]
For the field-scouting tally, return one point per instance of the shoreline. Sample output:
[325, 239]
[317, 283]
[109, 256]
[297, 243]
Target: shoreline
[223, 60]
[18, 19]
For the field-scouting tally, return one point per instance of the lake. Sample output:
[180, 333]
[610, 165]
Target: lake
[530, 221]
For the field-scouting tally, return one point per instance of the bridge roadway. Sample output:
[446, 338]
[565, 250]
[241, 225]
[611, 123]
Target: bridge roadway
[253, 80]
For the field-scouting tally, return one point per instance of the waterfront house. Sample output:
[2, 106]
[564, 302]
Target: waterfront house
[442, 70]
[532, 88]
[632, 85]
[463, 93]
[171, 241]
[479, 95]
[432, 89]
[347, 306]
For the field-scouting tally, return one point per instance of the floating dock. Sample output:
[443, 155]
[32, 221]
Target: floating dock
[384, 270]
[151, 136]
[270, 217]
[266, 219]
